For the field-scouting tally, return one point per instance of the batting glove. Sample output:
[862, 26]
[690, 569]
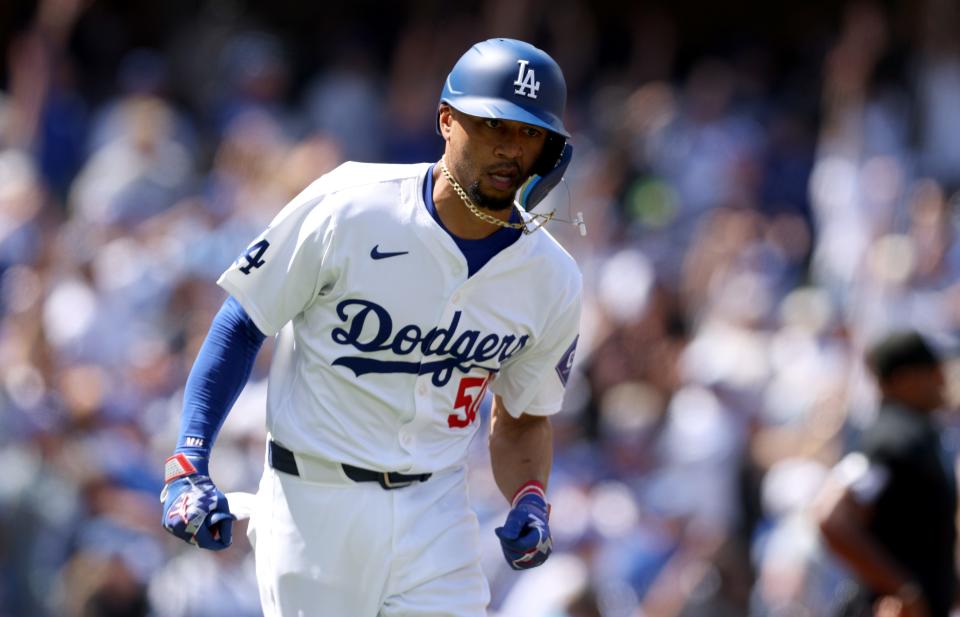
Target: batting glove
[194, 509]
[525, 537]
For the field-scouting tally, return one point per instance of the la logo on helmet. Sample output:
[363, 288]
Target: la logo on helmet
[526, 83]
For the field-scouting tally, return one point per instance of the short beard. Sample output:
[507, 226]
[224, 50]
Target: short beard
[493, 204]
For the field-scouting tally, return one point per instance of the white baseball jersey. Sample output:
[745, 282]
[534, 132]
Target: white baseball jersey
[386, 346]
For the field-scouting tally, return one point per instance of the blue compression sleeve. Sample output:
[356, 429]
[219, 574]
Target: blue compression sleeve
[218, 375]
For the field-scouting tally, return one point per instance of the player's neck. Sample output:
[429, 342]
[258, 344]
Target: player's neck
[455, 215]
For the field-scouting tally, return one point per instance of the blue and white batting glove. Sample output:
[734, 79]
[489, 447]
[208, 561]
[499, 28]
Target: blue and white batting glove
[194, 509]
[525, 536]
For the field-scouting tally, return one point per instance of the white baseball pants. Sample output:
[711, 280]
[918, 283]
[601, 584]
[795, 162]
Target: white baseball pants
[335, 548]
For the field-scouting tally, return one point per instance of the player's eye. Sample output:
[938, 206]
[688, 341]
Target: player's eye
[492, 123]
[532, 132]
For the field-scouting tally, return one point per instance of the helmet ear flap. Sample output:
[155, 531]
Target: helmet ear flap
[550, 156]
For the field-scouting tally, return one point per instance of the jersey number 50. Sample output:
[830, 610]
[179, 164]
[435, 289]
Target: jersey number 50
[469, 402]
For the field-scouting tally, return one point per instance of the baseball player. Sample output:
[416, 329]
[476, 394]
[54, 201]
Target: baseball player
[400, 295]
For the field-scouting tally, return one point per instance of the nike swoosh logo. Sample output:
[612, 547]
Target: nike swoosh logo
[376, 254]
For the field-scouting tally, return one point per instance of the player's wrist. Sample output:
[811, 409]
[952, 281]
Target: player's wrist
[181, 465]
[198, 455]
[529, 491]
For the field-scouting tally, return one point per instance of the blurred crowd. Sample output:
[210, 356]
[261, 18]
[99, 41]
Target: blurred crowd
[758, 212]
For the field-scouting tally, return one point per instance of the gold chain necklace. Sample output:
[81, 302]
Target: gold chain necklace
[483, 216]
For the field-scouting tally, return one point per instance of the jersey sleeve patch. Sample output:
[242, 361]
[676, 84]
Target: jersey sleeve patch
[566, 362]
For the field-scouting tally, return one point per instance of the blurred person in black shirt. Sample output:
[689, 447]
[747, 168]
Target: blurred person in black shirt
[889, 511]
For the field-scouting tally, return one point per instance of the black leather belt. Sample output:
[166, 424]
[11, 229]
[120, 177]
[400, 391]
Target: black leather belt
[283, 460]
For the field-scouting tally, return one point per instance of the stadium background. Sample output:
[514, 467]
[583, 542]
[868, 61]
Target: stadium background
[768, 187]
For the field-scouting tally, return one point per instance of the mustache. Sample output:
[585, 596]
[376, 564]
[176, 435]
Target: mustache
[510, 169]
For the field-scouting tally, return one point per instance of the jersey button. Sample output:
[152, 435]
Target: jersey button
[456, 298]
[422, 390]
[406, 439]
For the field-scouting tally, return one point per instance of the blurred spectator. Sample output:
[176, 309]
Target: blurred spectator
[140, 173]
[346, 103]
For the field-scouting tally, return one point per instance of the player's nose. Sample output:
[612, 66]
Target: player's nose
[509, 146]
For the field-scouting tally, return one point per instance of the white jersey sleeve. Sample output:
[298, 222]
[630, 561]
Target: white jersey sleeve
[864, 479]
[284, 270]
[533, 382]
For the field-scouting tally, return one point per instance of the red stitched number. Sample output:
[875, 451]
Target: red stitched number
[468, 402]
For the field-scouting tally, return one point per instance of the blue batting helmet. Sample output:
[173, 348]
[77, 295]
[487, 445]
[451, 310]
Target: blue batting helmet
[508, 80]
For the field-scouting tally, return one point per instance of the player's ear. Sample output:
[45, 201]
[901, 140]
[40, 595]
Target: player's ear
[445, 121]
